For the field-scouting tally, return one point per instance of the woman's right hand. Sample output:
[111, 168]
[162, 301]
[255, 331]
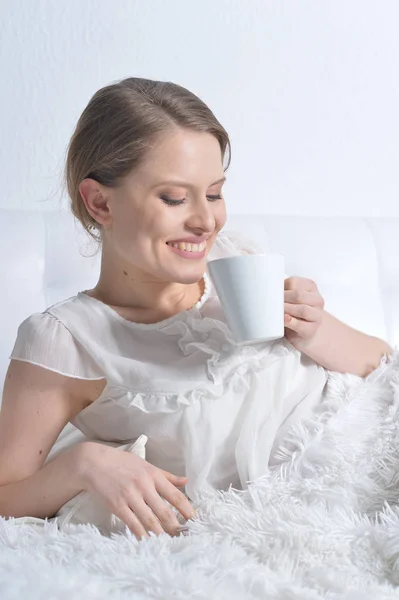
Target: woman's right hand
[133, 489]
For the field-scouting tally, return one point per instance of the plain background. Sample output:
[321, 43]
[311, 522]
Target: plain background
[308, 91]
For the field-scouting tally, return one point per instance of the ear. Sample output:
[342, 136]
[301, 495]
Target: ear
[95, 200]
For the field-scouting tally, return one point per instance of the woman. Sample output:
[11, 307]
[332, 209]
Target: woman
[147, 350]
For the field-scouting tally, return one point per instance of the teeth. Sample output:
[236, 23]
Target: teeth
[187, 247]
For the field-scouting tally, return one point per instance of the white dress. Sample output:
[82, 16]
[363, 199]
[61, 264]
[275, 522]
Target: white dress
[212, 411]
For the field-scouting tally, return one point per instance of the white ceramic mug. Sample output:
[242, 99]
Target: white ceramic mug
[251, 291]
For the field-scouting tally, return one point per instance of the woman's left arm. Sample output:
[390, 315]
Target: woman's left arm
[322, 337]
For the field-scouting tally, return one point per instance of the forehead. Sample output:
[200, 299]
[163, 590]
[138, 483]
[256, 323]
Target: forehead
[184, 155]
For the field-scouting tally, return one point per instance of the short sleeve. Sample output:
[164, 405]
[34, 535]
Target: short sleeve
[44, 341]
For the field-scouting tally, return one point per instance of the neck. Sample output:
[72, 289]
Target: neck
[125, 286]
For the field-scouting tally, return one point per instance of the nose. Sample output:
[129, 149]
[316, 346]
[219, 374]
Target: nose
[202, 216]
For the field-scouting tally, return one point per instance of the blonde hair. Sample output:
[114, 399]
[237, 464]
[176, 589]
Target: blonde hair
[118, 126]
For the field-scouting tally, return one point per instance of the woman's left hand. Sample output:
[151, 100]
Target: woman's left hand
[303, 310]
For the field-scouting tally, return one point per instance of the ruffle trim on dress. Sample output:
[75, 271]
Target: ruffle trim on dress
[226, 364]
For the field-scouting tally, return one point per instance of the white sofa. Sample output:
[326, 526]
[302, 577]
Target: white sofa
[45, 257]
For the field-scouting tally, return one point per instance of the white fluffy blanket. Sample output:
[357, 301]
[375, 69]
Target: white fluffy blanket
[325, 524]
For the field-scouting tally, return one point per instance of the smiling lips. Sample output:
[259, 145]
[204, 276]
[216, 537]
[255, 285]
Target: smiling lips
[187, 250]
[187, 247]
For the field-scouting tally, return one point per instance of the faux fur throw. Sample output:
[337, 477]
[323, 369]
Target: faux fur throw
[324, 524]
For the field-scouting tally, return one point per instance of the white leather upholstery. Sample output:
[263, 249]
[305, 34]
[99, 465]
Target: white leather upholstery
[354, 261]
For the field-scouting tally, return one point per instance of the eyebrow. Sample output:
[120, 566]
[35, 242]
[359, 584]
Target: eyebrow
[185, 183]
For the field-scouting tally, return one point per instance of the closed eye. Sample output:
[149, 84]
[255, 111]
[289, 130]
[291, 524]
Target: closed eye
[172, 202]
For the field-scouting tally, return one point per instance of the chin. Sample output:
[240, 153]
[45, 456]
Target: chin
[187, 278]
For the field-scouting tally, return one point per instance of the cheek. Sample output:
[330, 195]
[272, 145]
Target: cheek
[137, 232]
[220, 214]
[127, 227]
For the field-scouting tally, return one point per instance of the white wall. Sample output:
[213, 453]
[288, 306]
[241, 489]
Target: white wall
[308, 91]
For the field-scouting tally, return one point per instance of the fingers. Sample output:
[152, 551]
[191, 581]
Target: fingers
[141, 520]
[302, 311]
[148, 517]
[175, 497]
[164, 514]
[292, 283]
[304, 297]
[175, 479]
[150, 513]
[305, 329]
[128, 517]
[146, 511]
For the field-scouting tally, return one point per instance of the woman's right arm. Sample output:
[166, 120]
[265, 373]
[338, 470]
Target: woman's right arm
[37, 404]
